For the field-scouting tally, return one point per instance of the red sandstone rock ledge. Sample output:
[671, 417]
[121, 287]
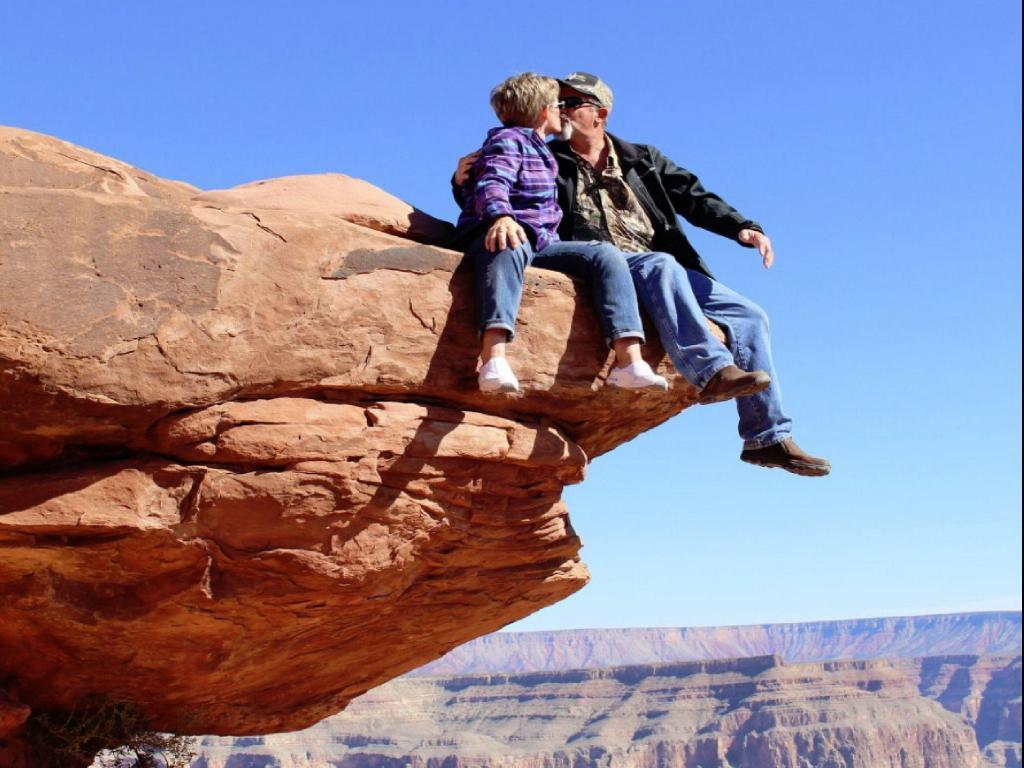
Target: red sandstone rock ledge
[247, 472]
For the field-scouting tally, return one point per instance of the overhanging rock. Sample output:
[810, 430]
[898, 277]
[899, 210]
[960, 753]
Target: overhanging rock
[247, 473]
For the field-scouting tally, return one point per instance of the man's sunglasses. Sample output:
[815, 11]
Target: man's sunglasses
[575, 102]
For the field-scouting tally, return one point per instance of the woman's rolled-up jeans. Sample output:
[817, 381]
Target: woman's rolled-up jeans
[499, 283]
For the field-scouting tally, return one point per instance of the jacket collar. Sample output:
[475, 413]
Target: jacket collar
[628, 153]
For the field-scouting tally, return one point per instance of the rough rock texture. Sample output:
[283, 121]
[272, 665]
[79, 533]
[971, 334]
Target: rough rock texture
[12, 715]
[248, 475]
[746, 713]
[125, 300]
[321, 548]
[994, 632]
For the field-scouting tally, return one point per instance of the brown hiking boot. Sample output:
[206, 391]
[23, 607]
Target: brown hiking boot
[789, 456]
[731, 382]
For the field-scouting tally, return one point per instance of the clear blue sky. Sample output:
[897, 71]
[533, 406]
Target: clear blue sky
[879, 143]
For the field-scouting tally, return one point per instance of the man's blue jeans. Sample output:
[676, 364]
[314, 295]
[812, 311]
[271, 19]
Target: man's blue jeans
[677, 299]
[499, 283]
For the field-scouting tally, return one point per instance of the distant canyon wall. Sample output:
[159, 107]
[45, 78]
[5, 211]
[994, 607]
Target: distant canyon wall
[936, 712]
[891, 637]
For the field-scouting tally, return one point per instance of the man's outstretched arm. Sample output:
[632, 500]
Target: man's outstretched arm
[707, 210]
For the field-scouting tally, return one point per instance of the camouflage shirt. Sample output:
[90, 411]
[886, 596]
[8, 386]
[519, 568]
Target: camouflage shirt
[607, 209]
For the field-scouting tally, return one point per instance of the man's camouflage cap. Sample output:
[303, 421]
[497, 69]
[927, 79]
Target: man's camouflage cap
[591, 85]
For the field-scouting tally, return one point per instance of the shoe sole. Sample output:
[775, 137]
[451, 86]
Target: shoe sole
[797, 467]
[501, 389]
[751, 390]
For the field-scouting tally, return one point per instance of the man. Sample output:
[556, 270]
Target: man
[630, 195]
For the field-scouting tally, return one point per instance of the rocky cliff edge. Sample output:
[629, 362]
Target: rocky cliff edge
[246, 472]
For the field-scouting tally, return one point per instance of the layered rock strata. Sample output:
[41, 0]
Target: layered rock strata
[746, 713]
[247, 471]
[286, 555]
[986, 692]
[985, 633]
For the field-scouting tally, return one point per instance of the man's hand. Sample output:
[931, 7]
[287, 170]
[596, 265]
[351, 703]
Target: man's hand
[760, 241]
[505, 232]
[462, 169]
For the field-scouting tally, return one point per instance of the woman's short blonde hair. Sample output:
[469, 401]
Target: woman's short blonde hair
[520, 99]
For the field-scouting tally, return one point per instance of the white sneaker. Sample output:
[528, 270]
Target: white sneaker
[636, 376]
[496, 376]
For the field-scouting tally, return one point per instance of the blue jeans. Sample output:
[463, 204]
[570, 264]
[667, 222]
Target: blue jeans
[499, 283]
[677, 299]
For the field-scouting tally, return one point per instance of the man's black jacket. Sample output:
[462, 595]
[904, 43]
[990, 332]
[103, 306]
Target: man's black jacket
[664, 190]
